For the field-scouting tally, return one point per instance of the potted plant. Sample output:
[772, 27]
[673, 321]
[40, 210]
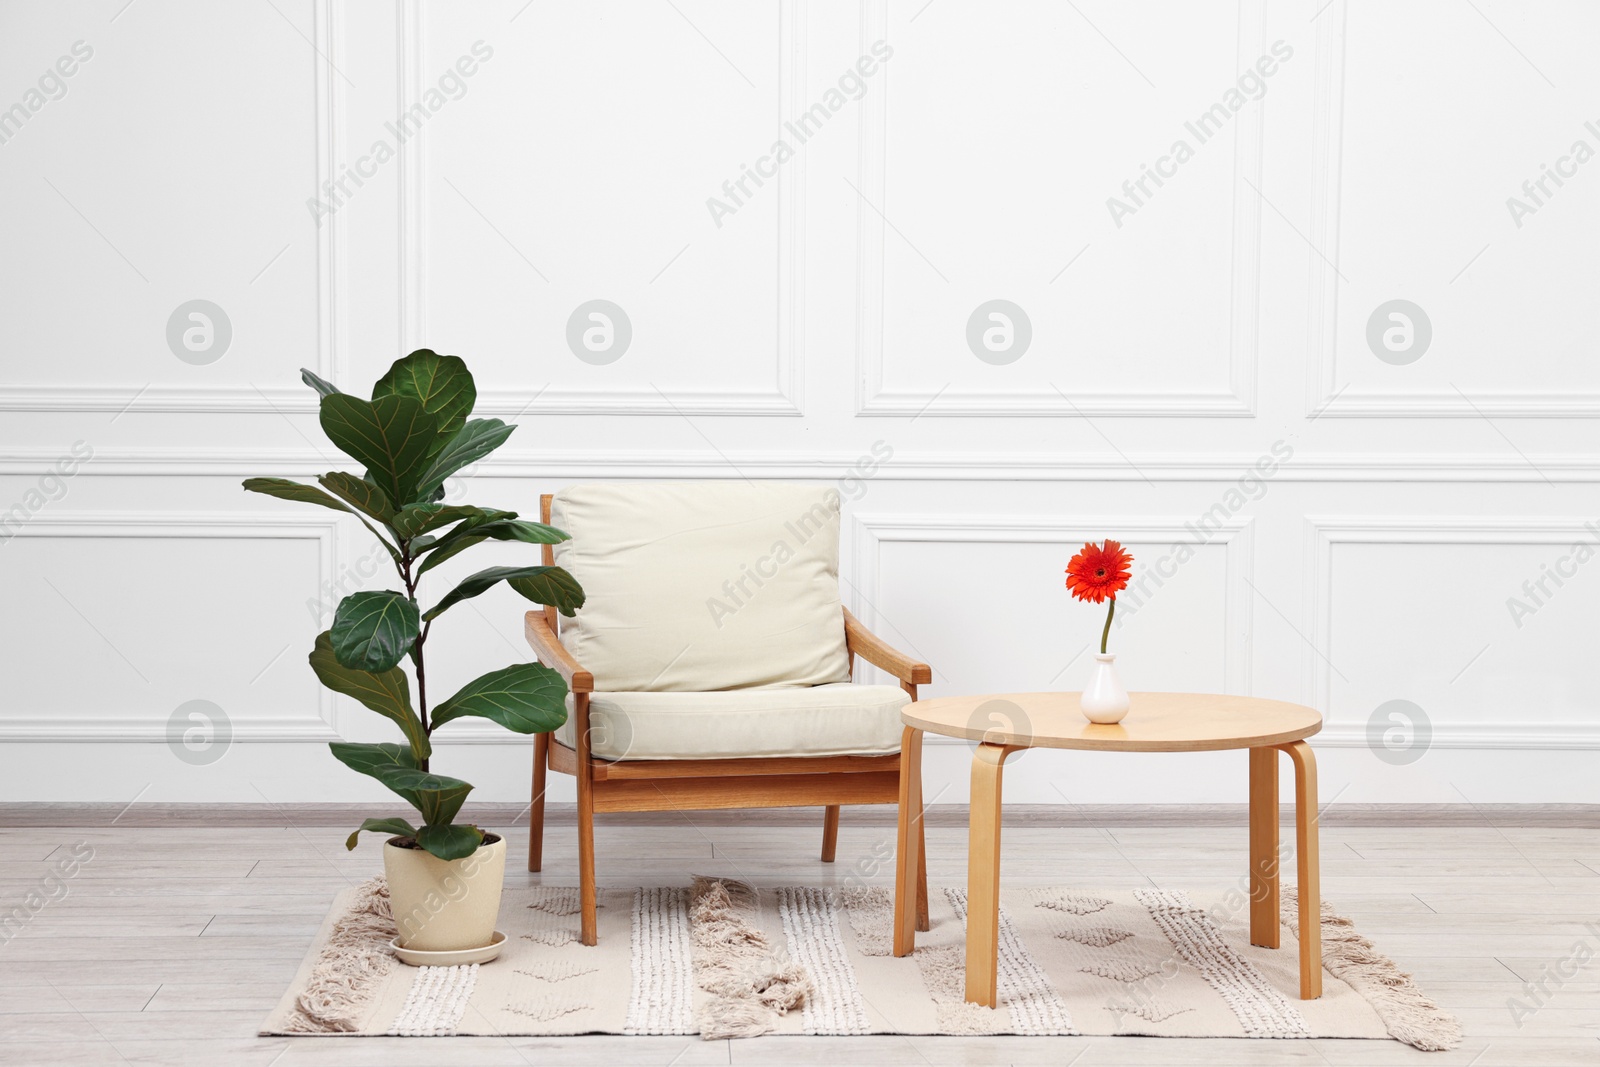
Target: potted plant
[444, 876]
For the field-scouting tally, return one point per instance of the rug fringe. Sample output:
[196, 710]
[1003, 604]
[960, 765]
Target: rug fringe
[749, 984]
[349, 967]
[1405, 1010]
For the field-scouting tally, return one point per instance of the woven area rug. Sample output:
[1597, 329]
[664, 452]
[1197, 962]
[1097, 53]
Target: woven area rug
[720, 959]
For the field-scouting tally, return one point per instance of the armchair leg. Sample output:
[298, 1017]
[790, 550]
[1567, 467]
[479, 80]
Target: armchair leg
[590, 933]
[586, 888]
[830, 832]
[541, 758]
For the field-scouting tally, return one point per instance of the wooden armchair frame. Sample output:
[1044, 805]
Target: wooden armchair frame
[751, 782]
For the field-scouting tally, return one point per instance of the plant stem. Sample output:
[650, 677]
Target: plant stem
[422, 695]
[416, 648]
[1106, 633]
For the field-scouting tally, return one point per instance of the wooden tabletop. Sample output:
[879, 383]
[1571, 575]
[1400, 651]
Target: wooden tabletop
[1156, 722]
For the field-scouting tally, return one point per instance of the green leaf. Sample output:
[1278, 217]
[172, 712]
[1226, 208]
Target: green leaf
[450, 842]
[398, 827]
[416, 519]
[386, 692]
[471, 522]
[499, 525]
[527, 698]
[458, 539]
[553, 586]
[360, 494]
[475, 440]
[533, 533]
[442, 384]
[474, 584]
[370, 758]
[321, 385]
[376, 760]
[373, 631]
[437, 797]
[446, 548]
[416, 779]
[284, 489]
[392, 435]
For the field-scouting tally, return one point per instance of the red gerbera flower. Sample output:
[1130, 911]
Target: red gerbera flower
[1099, 572]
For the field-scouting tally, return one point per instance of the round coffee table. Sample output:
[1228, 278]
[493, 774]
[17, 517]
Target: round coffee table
[1004, 723]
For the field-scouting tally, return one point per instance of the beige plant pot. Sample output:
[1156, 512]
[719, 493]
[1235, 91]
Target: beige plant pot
[445, 905]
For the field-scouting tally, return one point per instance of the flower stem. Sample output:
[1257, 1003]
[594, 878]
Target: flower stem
[1106, 633]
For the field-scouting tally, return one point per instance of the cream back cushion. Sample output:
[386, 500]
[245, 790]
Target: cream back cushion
[702, 586]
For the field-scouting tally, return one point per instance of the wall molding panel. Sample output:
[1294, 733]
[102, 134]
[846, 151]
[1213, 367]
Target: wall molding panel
[242, 525]
[1327, 397]
[785, 398]
[1324, 532]
[1235, 399]
[327, 41]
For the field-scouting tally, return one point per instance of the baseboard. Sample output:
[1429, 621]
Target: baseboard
[1573, 816]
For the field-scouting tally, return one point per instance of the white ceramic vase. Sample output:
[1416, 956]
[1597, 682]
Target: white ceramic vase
[445, 905]
[1104, 700]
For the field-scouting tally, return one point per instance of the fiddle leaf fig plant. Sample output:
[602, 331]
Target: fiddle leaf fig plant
[413, 434]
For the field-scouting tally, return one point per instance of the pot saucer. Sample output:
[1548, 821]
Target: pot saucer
[419, 958]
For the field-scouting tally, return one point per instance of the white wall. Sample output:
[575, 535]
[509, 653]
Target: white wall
[816, 328]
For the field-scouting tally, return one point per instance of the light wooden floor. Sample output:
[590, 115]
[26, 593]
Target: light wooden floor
[173, 942]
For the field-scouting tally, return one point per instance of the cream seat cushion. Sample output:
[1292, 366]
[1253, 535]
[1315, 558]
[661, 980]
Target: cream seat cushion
[837, 719]
[700, 586]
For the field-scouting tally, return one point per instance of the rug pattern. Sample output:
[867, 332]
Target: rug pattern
[721, 958]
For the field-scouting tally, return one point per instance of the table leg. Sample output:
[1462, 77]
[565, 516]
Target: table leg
[1264, 862]
[1310, 877]
[923, 923]
[908, 843]
[983, 875]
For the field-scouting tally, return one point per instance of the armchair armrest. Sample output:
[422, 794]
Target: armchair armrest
[869, 646]
[547, 646]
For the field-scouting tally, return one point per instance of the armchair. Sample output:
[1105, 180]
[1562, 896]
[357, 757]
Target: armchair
[711, 667]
